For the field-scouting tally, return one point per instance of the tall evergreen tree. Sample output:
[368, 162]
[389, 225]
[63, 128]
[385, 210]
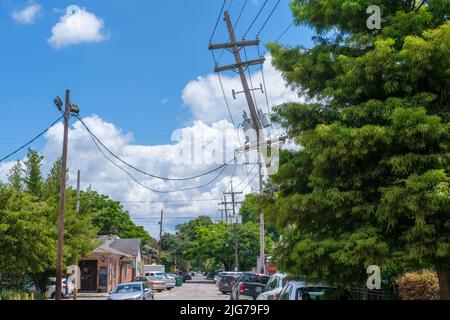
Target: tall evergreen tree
[15, 176]
[371, 183]
[33, 177]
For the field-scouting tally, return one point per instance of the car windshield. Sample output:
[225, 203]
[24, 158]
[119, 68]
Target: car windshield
[314, 293]
[126, 288]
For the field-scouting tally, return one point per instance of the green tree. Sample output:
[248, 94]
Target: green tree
[371, 182]
[27, 237]
[33, 177]
[15, 176]
[110, 217]
[215, 243]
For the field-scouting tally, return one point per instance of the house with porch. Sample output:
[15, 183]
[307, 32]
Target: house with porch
[113, 262]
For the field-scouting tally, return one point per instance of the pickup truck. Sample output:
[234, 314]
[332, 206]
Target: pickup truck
[249, 286]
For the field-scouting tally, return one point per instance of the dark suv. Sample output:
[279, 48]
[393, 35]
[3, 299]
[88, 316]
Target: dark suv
[249, 286]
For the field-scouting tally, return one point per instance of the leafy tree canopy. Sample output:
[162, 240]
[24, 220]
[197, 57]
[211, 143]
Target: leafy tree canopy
[371, 182]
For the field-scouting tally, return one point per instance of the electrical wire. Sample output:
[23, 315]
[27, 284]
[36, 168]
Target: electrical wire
[30, 142]
[265, 88]
[235, 26]
[248, 174]
[251, 80]
[143, 172]
[285, 31]
[268, 18]
[250, 182]
[143, 185]
[256, 18]
[217, 22]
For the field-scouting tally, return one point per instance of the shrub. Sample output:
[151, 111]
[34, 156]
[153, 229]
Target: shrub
[419, 286]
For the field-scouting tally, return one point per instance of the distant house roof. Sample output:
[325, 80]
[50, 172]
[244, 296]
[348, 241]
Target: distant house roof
[131, 247]
[105, 249]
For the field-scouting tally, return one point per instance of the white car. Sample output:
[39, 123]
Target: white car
[51, 288]
[132, 291]
[300, 290]
[273, 287]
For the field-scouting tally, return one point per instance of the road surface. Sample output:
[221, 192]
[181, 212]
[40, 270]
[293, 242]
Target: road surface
[193, 291]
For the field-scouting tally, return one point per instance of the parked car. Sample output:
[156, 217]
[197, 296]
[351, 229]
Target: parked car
[220, 275]
[226, 283]
[249, 286]
[154, 283]
[178, 279]
[300, 290]
[66, 289]
[132, 291]
[169, 281]
[273, 288]
[185, 275]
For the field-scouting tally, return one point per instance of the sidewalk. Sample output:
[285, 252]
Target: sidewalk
[91, 296]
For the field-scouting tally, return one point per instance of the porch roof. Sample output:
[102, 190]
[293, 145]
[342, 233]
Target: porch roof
[101, 250]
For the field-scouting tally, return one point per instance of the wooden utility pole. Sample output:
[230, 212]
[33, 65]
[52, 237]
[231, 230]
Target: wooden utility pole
[235, 223]
[62, 200]
[239, 67]
[75, 284]
[160, 235]
[78, 190]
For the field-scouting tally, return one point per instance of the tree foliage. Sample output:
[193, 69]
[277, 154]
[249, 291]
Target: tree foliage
[29, 209]
[371, 182]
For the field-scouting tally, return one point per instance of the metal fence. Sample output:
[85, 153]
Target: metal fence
[366, 294]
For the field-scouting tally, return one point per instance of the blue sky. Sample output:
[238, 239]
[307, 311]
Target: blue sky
[148, 73]
[154, 48]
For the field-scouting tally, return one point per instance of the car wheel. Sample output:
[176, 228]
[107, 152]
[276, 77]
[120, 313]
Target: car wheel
[168, 289]
[52, 296]
[159, 290]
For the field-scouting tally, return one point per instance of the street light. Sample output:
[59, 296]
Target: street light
[58, 103]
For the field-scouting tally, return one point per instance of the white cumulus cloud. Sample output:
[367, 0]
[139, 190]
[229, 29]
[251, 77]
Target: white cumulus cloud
[28, 14]
[77, 26]
[162, 160]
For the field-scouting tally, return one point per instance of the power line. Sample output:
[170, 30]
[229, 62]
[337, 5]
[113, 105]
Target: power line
[30, 142]
[285, 31]
[254, 20]
[265, 88]
[218, 19]
[250, 181]
[170, 201]
[248, 174]
[141, 171]
[146, 187]
[235, 25]
[268, 18]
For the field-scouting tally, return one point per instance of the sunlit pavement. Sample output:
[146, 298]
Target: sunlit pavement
[197, 289]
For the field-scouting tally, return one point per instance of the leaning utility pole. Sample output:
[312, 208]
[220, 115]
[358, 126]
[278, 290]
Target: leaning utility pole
[239, 68]
[62, 200]
[160, 235]
[235, 222]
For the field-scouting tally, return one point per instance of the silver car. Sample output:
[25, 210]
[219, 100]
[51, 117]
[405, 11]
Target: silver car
[273, 288]
[132, 291]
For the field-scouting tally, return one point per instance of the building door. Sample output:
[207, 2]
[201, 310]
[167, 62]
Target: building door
[88, 270]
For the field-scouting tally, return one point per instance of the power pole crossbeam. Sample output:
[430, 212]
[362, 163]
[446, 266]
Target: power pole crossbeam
[242, 65]
[230, 45]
